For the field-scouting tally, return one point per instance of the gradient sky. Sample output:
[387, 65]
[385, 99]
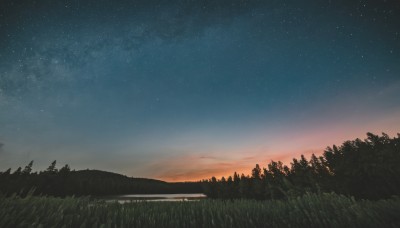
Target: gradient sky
[192, 89]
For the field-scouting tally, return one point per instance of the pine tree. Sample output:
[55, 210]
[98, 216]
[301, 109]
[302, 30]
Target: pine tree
[28, 169]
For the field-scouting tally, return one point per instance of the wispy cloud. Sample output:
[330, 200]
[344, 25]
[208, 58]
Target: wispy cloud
[198, 167]
[1, 147]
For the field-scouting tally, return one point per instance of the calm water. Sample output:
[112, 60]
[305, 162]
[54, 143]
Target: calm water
[155, 197]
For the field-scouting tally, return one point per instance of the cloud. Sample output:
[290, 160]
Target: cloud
[194, 167]
[1, 147]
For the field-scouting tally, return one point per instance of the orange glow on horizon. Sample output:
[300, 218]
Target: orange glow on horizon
[198, 171]
[196, 168]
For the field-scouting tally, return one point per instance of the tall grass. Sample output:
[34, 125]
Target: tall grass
[327, 210]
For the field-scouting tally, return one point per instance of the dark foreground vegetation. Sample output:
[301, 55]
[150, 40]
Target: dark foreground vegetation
[64, 182]
[354, 185]
[365, 169]
[310, 210]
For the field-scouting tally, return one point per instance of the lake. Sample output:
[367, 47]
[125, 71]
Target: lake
[155, 197]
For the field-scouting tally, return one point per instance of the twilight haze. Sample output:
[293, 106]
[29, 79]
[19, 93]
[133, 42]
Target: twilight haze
[193, 89]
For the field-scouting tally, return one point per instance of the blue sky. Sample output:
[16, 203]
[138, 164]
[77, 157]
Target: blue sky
[191, 89]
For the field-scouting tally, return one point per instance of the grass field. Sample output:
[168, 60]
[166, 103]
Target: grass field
[328, 210]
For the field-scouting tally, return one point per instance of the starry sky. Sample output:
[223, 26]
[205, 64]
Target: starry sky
[186, 90]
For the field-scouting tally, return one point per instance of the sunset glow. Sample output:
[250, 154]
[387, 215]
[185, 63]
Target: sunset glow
[184, 92]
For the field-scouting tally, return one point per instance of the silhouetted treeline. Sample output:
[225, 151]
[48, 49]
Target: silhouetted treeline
[64, 182]
[367, 169]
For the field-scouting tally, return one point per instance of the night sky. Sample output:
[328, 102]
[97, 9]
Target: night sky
[189, 90]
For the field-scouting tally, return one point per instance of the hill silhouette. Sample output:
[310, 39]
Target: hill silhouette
[367, 169]
[65, 182]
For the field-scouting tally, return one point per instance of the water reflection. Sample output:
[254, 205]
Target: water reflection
[155, 198]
